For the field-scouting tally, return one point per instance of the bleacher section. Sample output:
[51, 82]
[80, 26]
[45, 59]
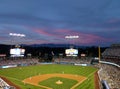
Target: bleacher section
[112, 54]
[18, 62]
[109, 74]
[73, 60]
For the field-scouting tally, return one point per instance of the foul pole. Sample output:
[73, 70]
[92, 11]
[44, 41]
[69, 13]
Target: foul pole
[99, 53]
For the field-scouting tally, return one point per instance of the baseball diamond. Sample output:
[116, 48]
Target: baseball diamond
[36, 79]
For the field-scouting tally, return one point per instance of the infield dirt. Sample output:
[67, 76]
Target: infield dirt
[34, 80]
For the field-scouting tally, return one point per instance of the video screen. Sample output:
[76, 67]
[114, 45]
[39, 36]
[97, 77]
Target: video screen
[71, 52]
[17, 52]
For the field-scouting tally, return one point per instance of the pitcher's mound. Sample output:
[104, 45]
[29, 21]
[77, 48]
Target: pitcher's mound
[59, 82]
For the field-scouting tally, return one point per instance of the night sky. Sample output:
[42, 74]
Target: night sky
[96, 22]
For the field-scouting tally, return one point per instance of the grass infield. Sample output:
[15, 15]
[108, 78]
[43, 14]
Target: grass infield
[51, 82]
[19, 74]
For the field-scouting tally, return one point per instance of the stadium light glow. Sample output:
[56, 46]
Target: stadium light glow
[17, 34]
[71, 37]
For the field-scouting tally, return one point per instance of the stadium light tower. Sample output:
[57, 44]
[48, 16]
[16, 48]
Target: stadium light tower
[72, 37]
[16, 36]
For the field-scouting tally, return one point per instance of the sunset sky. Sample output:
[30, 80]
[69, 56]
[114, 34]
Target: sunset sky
[96, 22]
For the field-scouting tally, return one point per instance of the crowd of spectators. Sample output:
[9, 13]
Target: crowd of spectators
[3, 84]
[73, 60]
[111, 74]
[33, 61]
[19, 61]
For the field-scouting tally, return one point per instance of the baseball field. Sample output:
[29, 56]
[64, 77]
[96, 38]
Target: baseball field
[51, 76]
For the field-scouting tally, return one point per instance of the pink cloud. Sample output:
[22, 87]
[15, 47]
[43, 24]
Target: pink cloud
[43, 32]
[58, 35]
[113, 21]
[64, 32]
[84, 38]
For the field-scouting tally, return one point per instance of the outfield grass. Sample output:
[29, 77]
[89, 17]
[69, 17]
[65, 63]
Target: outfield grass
[18, 74]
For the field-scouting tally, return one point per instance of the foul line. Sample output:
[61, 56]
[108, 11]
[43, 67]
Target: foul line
[78, 83]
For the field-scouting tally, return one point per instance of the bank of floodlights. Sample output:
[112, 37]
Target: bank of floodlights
[17, 34]
[71, 37]
[16, 37]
